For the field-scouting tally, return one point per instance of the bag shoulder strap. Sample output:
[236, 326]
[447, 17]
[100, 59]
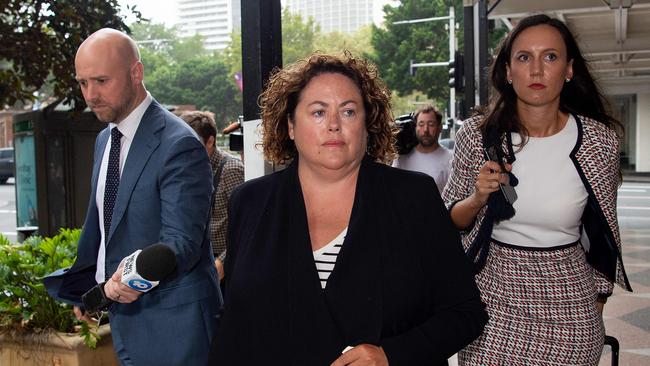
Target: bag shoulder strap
[217, 173]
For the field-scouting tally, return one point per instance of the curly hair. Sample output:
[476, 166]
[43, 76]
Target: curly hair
[279, 100]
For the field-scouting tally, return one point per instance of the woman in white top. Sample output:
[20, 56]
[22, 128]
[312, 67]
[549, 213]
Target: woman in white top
[539, 221]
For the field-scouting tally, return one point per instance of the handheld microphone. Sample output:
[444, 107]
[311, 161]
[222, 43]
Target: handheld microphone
[142, 271]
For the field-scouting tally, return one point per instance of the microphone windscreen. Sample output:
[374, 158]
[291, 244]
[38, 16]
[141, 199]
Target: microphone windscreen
[155, 262]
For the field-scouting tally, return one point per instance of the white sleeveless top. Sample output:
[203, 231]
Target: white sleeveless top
[551, 195]
[325, 257]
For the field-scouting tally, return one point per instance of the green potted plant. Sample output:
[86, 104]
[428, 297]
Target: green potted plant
[34, 324]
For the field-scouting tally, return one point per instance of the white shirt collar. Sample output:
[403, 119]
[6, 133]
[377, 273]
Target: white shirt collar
[129, 125]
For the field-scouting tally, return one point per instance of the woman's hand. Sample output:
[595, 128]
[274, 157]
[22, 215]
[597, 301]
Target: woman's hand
[488, 180]
[362, 355]
[490, 175]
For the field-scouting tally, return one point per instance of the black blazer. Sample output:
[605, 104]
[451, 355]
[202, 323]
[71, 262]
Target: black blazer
[401, 280]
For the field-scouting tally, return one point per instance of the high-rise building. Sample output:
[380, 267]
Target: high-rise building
[338, 15]
[213, 19]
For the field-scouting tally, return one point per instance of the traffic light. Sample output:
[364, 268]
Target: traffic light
[456, 72]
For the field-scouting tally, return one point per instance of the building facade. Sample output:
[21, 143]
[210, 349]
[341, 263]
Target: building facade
[336, 15]
[213, 19]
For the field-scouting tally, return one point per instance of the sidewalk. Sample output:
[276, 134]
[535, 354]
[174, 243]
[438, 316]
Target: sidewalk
[636, 177]
[627, 315]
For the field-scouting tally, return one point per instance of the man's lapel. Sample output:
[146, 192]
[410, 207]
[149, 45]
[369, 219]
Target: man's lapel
[144, 143]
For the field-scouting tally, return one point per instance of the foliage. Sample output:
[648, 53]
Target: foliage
[298, 36]
[160, 45]
[232, 53]
[39, 43]
[398, 44]
[182, 71]
[298, 40]
[204, 81]
[25, 305]
[497, 32]
[404, 104]
[359, 42]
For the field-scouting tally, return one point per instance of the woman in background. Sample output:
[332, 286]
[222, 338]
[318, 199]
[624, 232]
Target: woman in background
[546, 127]
[340, 259]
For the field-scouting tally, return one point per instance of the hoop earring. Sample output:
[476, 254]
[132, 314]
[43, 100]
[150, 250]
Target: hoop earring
[509, 81]
[567, 80]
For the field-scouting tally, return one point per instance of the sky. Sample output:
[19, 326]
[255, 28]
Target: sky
[159, 11]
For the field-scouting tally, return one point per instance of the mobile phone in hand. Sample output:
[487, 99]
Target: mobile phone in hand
[507, 190]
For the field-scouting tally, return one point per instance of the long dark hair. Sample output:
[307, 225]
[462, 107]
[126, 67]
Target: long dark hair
[579, 96]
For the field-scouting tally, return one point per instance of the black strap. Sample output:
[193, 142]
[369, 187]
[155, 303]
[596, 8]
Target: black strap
[215, 183]
[217, 174]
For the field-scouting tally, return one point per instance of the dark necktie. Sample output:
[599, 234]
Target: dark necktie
[112, 179]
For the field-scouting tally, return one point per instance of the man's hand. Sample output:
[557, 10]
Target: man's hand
[119, 292]
[363, 355]
[83, 316]
[219, 264]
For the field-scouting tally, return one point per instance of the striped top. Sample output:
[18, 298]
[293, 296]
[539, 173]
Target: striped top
[325, 257]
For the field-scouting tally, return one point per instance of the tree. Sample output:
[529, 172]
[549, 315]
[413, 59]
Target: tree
[160, 45]
[39, 43]
[298, 36]
[204, 81]
[298, 40]
[180, 70]
[409, 103]
[359, 42]
[398, 44]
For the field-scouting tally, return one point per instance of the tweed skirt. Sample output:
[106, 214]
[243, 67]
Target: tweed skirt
[542, 308]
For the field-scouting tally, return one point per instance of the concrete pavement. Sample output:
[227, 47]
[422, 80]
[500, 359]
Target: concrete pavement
[627, 315]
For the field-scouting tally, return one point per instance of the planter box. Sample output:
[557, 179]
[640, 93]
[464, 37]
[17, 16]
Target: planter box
[57, 349]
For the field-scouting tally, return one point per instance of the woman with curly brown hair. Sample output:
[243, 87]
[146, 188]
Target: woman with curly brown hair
[340, 259]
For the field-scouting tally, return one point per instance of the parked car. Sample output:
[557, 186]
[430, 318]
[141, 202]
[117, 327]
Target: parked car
[7, 165]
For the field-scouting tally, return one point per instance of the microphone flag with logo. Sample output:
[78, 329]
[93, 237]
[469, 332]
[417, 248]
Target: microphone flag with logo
[144, 269]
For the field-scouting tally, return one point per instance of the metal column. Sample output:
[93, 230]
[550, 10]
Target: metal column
[468, 50]
[261, 49]
[482, 50]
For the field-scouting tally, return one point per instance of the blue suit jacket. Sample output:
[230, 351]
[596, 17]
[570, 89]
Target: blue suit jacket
[164, 196]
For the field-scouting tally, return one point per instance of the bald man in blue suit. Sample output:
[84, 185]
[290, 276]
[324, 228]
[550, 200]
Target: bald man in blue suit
[162, 195]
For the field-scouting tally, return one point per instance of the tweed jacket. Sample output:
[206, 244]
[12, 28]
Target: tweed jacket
[596, 158]
[232, 175]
